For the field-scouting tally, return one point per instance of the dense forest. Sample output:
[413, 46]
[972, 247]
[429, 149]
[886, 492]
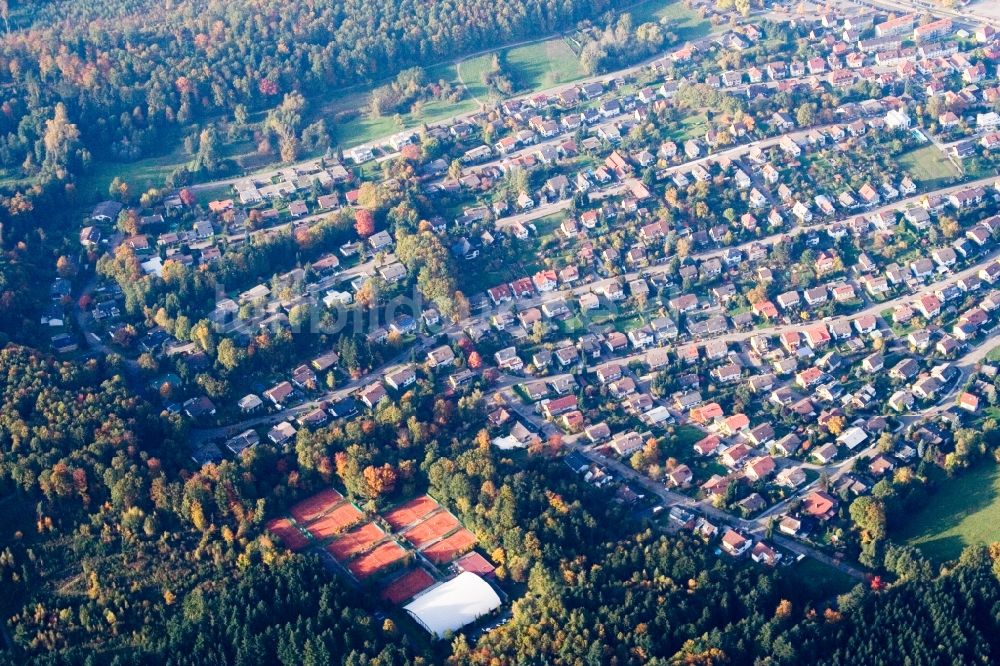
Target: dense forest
[115, 550]
[127, 69]
[108, 542]
[113, 541]
[659, 601]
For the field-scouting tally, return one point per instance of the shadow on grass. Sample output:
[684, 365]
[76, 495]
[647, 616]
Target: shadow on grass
[943, 549]
[963, 510]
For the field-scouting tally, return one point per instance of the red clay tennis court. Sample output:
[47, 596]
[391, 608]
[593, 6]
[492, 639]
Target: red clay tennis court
[313, 507]
[335, 522]
[356, 541]
[288, 534]
[433, 528]
[407, 586]
[410, 512]
[379, 558]
[446, 550]
[475, 563]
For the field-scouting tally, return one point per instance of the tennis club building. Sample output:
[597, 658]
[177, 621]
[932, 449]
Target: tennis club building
[453, 604]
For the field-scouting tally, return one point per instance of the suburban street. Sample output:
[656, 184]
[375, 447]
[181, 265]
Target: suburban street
[732, 336]
[831, 472]
[556, 333]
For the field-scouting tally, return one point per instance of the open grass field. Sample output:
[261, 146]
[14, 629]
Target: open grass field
[928, 166]
[963, 511]
[214, 193]
[153, 171]
[140, 175]
[534, 67]
[692, 127]
[994, 354]
[361, 129]
[685, 22]
[545, 64]
[471, 73]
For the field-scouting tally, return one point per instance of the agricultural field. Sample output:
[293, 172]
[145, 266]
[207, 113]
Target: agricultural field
[963, 511]
[929, 167]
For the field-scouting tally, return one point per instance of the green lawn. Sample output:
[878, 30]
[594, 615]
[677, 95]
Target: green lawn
[548, 225]
[571, 325]
[533, 67]
[963, 511]
[683, 21]
[994, 354]
[928, 166]
[544, 64]
[362, 129]
[693, 127]
[140, 175]
[688, 435]
[471, 72]
[358, 129]
[153, 171]
[214, 193]
[11, 179]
